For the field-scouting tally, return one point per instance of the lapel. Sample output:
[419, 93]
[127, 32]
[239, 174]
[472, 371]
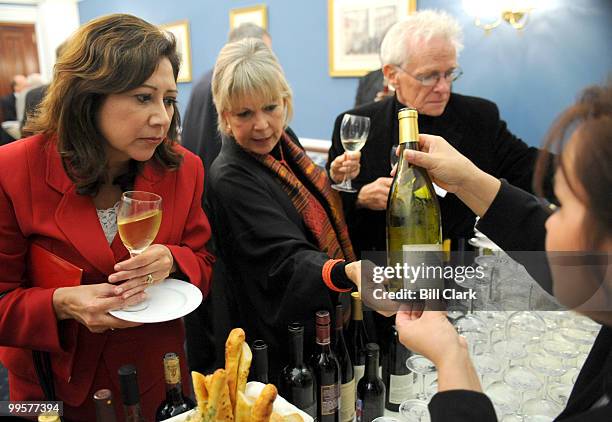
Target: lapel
[77, 218]
[448, 125]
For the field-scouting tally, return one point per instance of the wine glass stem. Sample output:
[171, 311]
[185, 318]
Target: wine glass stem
[545, 389]
[422, 395]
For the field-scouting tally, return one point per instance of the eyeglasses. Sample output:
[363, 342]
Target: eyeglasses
[432, 79]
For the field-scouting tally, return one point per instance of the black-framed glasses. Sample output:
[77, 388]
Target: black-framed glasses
[433, 78]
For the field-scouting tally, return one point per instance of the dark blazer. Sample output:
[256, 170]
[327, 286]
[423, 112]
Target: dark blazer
[39, 204]
[369, 85]
[8, 111]
[200, 134]
[525, 231]
[470, 124]
[272, 263]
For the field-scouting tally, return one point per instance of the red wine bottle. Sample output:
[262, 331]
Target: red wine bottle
[396, 375]
[327, 372]
[175, 402]
[347, 387]
[297, 382]
[371, 389]
[130, 396]
[260, 361]
[357, 338]
[105, 411]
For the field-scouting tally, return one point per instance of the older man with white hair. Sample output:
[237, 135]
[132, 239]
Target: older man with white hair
[419, 56]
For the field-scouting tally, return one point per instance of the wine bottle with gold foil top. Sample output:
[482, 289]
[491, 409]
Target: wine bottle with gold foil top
[414, 228]
[175, 403]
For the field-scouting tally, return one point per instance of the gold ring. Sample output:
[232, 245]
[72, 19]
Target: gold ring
[149, 279]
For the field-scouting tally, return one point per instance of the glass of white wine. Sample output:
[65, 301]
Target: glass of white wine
[353, 134]
[138, 220]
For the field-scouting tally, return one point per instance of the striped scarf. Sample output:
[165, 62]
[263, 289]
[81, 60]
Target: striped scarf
[329, 231]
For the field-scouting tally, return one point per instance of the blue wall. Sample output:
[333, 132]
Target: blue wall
[532, 75]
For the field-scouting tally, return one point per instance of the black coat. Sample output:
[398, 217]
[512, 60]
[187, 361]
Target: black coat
[271, 262]
[470, 124]
[525, 231]
[8, 111]
[200, 134]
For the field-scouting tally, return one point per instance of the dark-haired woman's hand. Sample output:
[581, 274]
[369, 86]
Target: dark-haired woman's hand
[89, 304]
[134, 275]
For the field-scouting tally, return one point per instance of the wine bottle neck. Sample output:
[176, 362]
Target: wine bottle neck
[323, 335]
[174, 393]
[371, 366]
[297, 350]
[260, 360]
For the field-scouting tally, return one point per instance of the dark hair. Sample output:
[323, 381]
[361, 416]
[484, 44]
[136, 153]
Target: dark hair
[591, 119]
[107, 55]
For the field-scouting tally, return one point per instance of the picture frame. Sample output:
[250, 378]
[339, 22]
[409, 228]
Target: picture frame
[356, 29]
[180, 30]
[257, 14]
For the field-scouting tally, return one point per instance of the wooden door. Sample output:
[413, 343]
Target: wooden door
[18, 53]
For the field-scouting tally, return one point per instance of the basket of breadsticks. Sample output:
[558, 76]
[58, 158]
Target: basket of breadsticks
[226, 396]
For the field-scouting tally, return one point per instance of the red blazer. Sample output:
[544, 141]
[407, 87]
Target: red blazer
[39, 203]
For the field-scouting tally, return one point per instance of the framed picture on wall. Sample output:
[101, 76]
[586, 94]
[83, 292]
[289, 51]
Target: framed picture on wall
[183, 46]
[257, 14]
[356, 29]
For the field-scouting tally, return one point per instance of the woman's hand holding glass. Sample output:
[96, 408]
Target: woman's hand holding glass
[134, 275]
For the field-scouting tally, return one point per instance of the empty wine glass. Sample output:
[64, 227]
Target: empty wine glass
[486, 364]
[559, 393]
[414, 411]
[353, 134]
[138, 220]
[505, 399]
[547, 366]
[525, 326]
[421, 365]
[562, 349]
[522, 379]
[510, 349]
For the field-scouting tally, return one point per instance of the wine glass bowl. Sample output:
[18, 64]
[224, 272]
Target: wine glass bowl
[414, 410]
[422, 366]
[138, 220]
[353, 135]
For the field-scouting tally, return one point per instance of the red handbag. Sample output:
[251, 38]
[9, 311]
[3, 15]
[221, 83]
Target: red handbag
[47, 270]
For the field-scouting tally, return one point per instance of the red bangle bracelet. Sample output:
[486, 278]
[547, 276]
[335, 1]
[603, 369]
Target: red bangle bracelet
[326, 274]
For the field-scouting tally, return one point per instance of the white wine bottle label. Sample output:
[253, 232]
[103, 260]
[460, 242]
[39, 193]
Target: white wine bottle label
[329, 399]
[423, 266]
[359, 371]
[400, 388]
[347, 401]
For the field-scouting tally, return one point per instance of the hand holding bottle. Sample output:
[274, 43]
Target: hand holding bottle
[455, 173]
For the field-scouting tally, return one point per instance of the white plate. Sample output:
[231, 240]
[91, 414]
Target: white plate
[168, 300]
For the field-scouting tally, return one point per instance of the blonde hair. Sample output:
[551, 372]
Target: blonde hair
[247, 70]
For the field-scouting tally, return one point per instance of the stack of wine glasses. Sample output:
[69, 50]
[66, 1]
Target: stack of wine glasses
[528, 359]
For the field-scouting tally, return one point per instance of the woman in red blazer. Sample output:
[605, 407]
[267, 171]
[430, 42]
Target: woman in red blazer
[107, 124]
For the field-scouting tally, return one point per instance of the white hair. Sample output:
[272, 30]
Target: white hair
[424, 25]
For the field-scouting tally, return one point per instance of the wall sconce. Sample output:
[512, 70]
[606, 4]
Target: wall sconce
[489, 14]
